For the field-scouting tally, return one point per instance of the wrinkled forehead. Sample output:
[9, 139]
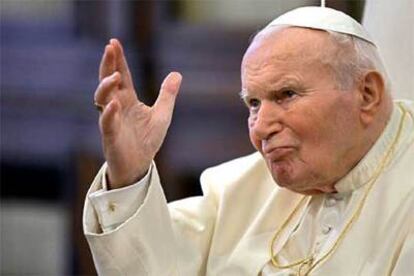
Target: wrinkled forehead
[275, 57]
[288, 44]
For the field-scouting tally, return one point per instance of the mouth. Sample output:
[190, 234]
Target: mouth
[278, 154]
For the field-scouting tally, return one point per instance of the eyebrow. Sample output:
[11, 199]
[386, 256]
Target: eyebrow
[287, 83]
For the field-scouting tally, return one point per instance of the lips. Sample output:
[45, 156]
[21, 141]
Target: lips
[278, 153]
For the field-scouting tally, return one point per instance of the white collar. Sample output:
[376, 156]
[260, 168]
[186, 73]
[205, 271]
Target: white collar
[364, 170]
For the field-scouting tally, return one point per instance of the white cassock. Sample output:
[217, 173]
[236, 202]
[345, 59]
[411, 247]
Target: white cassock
[366, 228]
[228, 231]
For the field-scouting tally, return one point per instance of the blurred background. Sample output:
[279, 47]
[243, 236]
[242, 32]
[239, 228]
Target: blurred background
[50, 144]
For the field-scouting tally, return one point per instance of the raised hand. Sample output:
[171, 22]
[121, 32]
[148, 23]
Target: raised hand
[131, 131]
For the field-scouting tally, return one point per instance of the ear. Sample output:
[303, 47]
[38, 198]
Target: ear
[371, 89]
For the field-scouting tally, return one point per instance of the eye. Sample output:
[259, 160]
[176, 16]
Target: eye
[253, 104]
[288, 94]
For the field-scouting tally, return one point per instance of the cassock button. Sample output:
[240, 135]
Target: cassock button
[326, 229]
[330, 201]
[112, 206]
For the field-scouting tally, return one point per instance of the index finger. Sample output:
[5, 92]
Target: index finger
[121, 63]
[107, 66]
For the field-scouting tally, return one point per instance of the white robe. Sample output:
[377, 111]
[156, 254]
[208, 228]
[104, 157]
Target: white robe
[228, 230]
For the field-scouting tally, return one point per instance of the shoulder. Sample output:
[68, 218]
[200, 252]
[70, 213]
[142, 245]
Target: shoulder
[405, 145]
[233, 169]
[235, 172]
[406, 105]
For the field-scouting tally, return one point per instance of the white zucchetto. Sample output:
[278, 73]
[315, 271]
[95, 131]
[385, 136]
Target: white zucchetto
[322, 18]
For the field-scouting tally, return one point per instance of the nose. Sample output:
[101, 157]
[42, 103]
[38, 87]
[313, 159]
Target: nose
[267, 121]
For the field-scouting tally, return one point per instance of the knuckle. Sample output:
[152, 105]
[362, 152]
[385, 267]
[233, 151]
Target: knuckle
[106, 81]
[104, 88]
[96, 94]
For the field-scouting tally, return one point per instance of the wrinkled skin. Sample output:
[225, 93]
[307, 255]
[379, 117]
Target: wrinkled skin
[132, 132]
[309, 131]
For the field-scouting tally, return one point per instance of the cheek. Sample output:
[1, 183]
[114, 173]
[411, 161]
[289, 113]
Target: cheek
[253, 138]
[323, 135]
[255, 142]
[312, 122]
[307, 128]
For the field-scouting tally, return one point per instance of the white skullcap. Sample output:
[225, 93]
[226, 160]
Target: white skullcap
[322, 18]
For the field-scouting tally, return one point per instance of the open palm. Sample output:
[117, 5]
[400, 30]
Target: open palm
[131, 131]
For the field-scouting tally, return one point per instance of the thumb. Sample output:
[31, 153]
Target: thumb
[168, 93]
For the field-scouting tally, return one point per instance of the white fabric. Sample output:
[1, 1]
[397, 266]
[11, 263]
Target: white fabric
[320, 18]
[114, 207]
[228, 230]
[319, 222]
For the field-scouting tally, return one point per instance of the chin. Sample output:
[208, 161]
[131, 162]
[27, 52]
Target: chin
[282, 173]
[286, 177]
[296, 187]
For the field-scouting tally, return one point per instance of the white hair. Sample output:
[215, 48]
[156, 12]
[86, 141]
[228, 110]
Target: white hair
[359, 57]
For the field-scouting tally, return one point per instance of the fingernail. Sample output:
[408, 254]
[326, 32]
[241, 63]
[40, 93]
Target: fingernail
[115, 75]
[176, 78]
[106, 48]
[112, 104]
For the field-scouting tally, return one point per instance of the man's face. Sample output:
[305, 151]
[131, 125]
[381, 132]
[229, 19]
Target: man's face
[305, 127]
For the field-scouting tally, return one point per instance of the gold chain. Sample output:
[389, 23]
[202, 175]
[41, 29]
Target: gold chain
[310, 260]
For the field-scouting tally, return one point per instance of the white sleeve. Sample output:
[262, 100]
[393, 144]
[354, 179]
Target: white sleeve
[114, 207]
[158, 239]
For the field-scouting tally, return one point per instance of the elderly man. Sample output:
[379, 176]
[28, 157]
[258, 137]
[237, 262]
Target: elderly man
[329, 192]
